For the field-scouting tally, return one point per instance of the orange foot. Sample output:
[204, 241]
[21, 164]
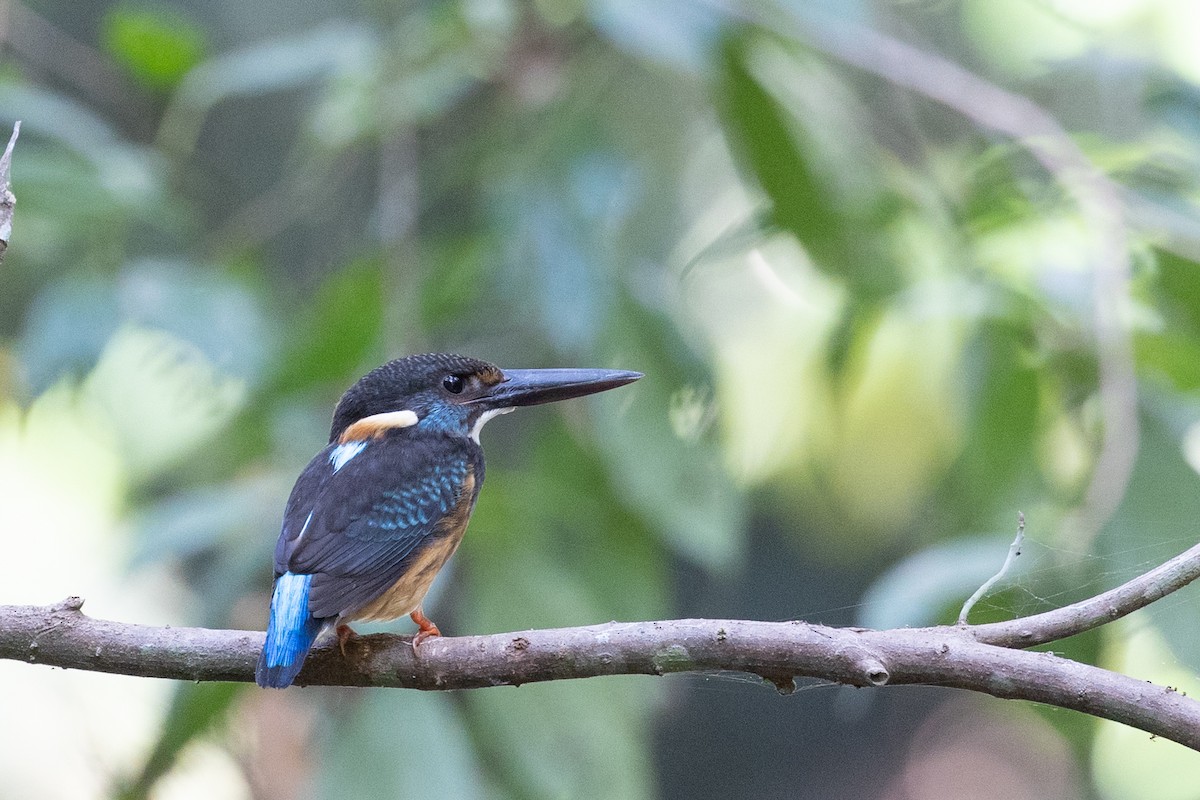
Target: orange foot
[344, 634]
[427, 628]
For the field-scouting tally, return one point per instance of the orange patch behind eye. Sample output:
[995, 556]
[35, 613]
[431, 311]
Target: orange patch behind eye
[490, 376]
[377, 425]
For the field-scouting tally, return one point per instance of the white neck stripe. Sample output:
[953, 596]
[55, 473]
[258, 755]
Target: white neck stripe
[484, 417]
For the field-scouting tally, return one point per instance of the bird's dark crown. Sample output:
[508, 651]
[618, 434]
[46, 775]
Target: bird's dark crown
[425, 383]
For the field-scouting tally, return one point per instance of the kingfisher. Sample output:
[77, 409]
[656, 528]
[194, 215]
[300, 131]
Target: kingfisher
[378, 512]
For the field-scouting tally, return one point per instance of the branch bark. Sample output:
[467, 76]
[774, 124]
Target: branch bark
[981, 658]
[960, 657]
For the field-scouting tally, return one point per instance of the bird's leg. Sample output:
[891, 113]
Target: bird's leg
[344, 634]
[427, 628]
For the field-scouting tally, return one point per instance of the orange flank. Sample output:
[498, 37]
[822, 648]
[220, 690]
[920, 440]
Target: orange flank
[405, 595]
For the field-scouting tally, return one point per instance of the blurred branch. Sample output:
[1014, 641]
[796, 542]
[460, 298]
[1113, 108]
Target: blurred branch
[296, 197]
[399, 210]
[979, 658]
[42, 45]
[1099, 202]
[7, 200]
[277, 64]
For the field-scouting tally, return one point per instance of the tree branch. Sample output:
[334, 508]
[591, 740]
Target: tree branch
[962, 657]
[1060, 623]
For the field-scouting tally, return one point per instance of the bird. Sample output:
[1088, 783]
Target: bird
[381, 509]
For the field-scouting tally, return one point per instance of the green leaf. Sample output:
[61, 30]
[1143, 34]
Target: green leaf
[1179, 289]
[156, 45]
[219, 537]
[131, 175]
[561, 518]
[568, 739]
[675, 478]
[818, 191]
[66, 329]
[269, 65]
[675, 32]
[1003, 188]
[855, 325]
[163, 399]
[561, 266]
[456, 284]
[1003, 423]
[1173, 350]
[71, 322]
[331, 342]
[1173, 354]
[765, 137]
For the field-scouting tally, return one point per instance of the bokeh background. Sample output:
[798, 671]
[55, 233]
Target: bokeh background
[894, 271]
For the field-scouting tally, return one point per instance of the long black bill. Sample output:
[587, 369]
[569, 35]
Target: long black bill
[529, 387]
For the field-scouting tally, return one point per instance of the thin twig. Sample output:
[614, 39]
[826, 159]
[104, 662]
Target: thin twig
[8, 200]
[1051, 626]
[1014, 550]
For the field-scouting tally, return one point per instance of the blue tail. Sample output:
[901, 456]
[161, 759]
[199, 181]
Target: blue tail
[290, 634]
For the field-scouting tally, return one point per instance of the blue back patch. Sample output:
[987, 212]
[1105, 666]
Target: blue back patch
[420, 503]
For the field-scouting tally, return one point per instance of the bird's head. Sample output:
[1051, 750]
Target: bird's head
[455, 395]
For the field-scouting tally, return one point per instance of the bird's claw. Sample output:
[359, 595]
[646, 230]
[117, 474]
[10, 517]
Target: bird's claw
[344, 634]
[427, 628]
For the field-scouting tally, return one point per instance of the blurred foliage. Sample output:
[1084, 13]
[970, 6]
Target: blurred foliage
[194, 710]
[157, 47]
[868, 328]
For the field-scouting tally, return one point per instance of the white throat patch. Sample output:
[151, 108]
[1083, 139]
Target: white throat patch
[484, 417]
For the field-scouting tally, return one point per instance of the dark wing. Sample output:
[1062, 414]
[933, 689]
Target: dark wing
[300, 504]
[374, 515]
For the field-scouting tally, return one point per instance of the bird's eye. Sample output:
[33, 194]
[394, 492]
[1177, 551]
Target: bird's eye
[453, 384]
